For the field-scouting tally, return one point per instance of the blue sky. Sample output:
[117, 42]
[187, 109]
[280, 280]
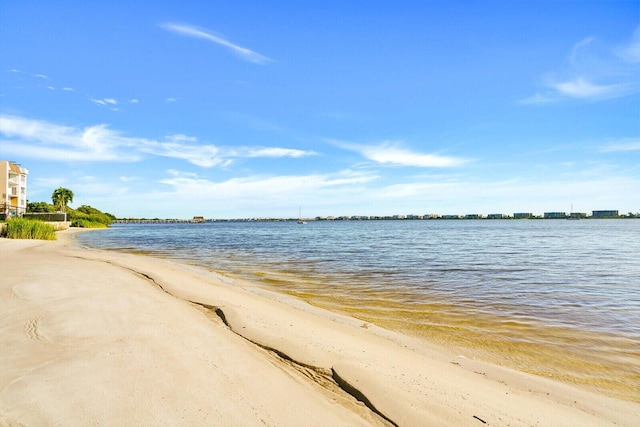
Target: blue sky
[253, 109]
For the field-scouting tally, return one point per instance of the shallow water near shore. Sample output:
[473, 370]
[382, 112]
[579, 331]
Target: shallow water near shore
[552, 297]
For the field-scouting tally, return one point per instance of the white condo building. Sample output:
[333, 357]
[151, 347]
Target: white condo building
[13, 186]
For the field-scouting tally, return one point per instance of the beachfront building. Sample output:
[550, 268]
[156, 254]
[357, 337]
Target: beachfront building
[604, 214]
[13, 186]
[495, 216]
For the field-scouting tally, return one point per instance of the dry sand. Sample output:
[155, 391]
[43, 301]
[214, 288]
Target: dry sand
[99, 338]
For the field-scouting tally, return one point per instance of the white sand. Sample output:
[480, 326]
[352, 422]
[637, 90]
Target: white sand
[98, 338]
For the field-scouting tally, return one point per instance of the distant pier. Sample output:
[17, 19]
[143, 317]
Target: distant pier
[155, 221]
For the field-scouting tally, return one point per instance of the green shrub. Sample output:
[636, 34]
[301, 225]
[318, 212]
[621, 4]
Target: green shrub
[87, 223]
[90, 214]
[20, 228]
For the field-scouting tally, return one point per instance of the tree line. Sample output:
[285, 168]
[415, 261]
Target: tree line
[84, 216]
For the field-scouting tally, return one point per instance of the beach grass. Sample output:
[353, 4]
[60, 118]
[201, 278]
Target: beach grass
[20, 228]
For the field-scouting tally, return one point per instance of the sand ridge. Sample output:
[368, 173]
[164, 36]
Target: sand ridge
[96, 337]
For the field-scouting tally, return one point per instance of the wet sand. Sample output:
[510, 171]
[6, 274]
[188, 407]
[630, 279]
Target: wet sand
[604, 363]
[101, 338]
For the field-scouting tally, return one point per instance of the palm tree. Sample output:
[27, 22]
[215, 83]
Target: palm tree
[61, 197]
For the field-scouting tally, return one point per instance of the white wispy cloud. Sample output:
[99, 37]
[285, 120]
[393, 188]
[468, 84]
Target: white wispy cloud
[581, 88]
[593, 71]
[45, 140]
[109, 103]
[625, 144]
[241, 52]
[261, 184]
[506, 196]
[270, 192]
[394, 153]
[40, 139]
[104, 101]
[207, 155]
[222, 198]
[275, 152]
[631, 52]
[363, 192]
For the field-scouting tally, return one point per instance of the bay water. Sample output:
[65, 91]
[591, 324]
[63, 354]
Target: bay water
[555, 298]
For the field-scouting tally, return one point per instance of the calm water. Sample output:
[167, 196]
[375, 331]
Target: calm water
[553, 297]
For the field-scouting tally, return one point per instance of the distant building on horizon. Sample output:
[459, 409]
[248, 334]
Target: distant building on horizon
[555, 215]
[604, 214]
[13, 186]
[473, 216]
[577, 215]
[522, 215]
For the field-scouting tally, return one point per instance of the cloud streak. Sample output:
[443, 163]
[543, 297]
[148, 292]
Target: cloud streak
[631, 52]
[273, 152]
[260, 185]
[626, 144]
[581, 88]
[241, 52]
[394, 154]
[363, 192]
[271, 192]
[106, 102]
[110, 103]
[594, 72]
[97, 143]
[40, 139]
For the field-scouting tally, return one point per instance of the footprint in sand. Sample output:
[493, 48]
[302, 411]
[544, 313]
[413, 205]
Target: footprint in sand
[31, 329]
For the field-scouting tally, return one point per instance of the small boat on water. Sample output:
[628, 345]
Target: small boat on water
[573, 215]
[300, 220]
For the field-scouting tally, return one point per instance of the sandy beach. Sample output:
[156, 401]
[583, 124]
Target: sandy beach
[91, 337]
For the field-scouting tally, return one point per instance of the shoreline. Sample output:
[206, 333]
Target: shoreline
[572, 352]
[571, 356]
[215, 349]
